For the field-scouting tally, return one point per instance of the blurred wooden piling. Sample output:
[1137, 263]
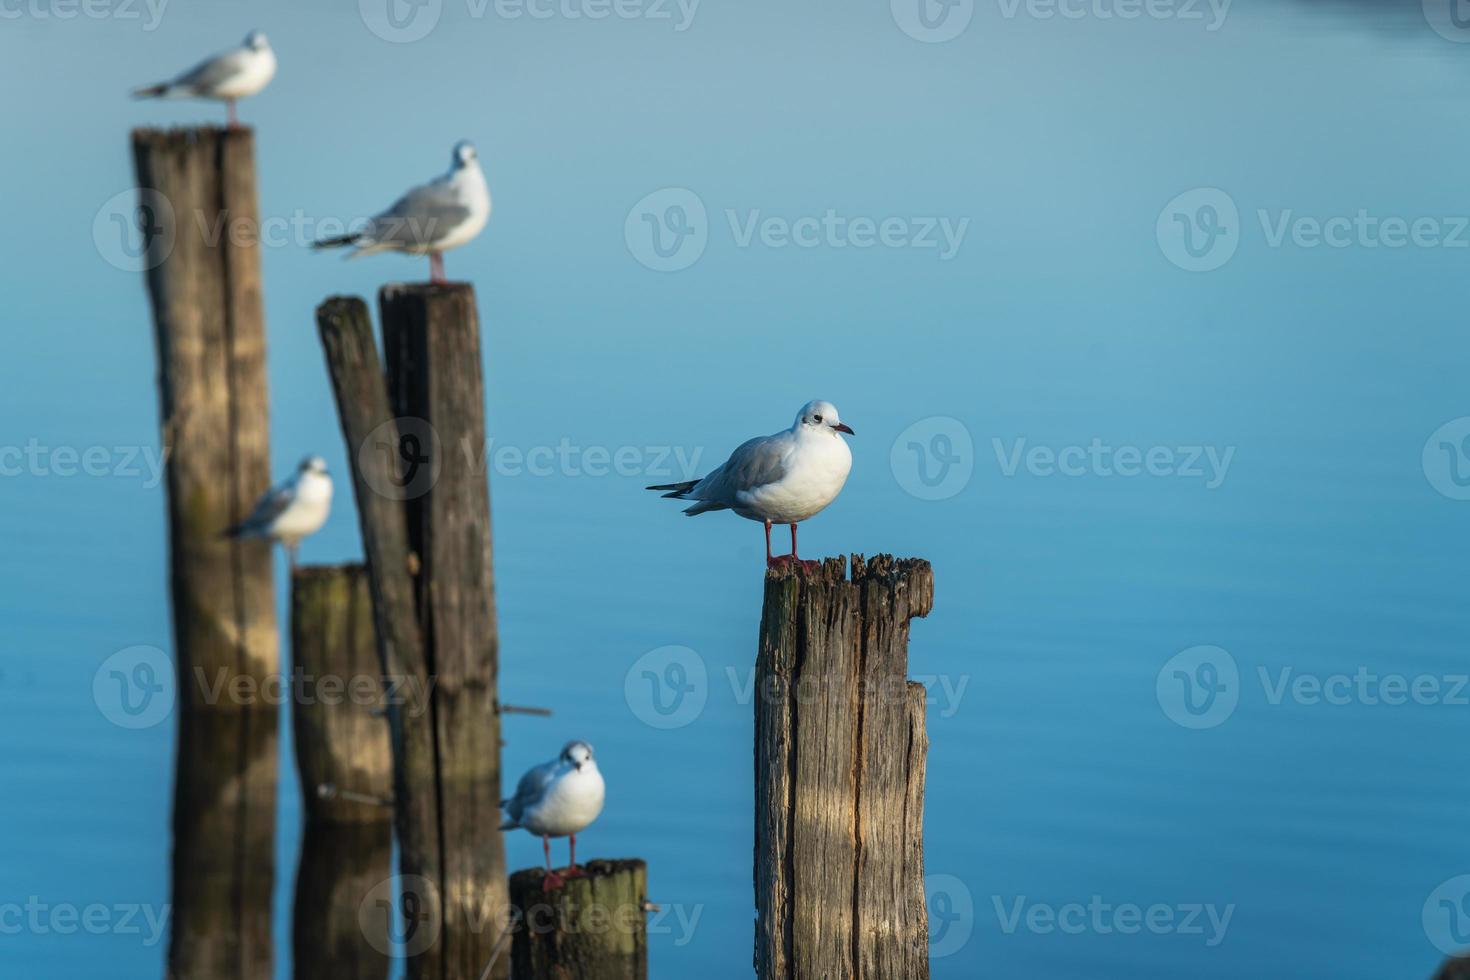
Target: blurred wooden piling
[592, 928]
[205, 288]
[342, 755]
[839, 774]
[416, 437]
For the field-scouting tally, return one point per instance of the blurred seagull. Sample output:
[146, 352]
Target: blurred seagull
[229, 75]
[783, 478]
[293, 510]
[559, 798]
[430, 219]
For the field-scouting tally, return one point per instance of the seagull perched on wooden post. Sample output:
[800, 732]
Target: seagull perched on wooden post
[559, 798]
[293, 510]
[783, 478]
[229, 75]
[430, 219]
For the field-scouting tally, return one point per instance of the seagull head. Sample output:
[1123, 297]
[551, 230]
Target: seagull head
[256, 41]
[820, 416]
[578, 755]
[313, 464]
[464, 155]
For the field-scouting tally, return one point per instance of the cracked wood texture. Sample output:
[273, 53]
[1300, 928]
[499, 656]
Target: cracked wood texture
[341, 741]
[592, 928]
[840, 750]
[416, 439]
[198, 215]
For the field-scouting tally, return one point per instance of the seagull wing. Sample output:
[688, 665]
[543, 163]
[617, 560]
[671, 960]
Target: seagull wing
[532, 785]
[753, 464]
[211, 73]
[421, 217]
[268, 508]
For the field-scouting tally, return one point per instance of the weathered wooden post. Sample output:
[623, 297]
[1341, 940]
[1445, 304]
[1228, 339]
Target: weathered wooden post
[417, 441]
[204, 285]
[346, 776]
[839, 774]
[593, 928]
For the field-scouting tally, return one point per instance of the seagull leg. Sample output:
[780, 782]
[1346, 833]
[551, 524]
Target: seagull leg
[436, 267]
[291, 547]
[574, 871]
[552, 879]
[810, 566]
[234, 122]
[771, 561]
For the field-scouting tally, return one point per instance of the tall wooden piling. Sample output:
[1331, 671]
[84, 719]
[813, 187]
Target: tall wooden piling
[416, 437]
[839, 774]
[592, 928]
[205, 288]
[342, 755]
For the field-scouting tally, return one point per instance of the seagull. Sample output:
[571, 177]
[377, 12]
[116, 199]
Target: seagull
[430, 219]
[229, 75]
[783, 478]
[293, 510]
[559, 798]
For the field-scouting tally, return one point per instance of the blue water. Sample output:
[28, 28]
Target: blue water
[1329, 544]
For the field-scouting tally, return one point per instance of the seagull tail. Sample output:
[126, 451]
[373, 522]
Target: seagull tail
[337, 242]
[675, 489]
[151, 91]
[702, 507]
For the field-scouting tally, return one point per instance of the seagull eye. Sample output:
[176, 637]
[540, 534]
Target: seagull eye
[816, 418]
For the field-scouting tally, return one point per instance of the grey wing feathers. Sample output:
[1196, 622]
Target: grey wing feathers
[208, 74]
[528, 791]
[266, 510]
[754, 463]
[423, 215]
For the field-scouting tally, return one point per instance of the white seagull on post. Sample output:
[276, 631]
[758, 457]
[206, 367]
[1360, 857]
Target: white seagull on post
[229, 75]
[293, 510]
[430, 219]
[559, 798]
[783, 478]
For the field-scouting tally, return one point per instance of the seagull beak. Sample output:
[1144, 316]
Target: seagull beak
[843, 427]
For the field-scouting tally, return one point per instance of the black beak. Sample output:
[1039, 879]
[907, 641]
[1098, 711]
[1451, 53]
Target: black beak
[844, 427]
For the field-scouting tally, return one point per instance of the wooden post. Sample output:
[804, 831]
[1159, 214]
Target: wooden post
[423, 499]
[839, 774]
[204, 285]
[593, 928]
[346, 776]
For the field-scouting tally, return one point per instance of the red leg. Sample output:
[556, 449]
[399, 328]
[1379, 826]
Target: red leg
[574, 871]
[552, 879]
[234, 123]
[436, 267]
[769, 560]
[793, 544]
